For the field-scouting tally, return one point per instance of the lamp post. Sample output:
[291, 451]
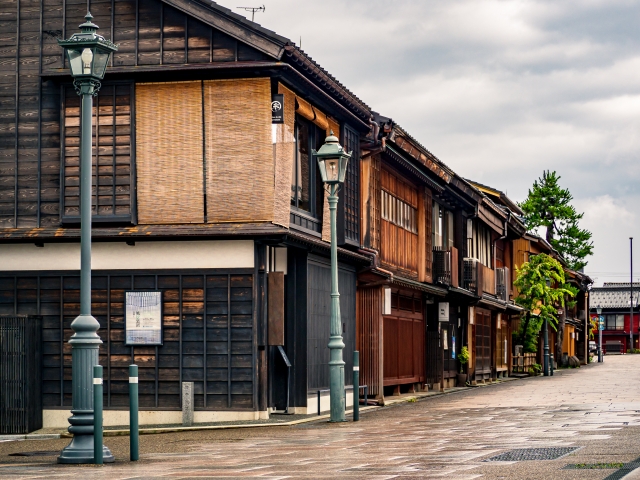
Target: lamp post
[599, 311]
[332, 162]
[88, 55]
[546, 341]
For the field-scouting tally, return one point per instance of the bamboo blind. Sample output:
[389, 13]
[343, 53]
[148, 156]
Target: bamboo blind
[284, 151]
[239, 151]
[333, 126]
[305, 109]
[321, 119]
[169, 153]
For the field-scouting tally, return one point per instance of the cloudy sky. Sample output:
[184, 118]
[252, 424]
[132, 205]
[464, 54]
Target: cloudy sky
[499, 91]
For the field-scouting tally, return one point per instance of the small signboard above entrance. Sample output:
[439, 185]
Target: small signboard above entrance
[443, 311]
[277, 108]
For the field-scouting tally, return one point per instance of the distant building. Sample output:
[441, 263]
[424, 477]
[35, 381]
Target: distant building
[613, 299]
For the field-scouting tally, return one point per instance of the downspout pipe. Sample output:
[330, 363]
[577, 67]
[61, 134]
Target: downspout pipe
[506, 231]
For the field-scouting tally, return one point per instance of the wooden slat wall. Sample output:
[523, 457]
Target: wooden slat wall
[111, 161]
[284, 150]
[30, 129]
[370, 338]
[239, 151]
[216, 354]
[399, 248]
[169, 139]
[428, 220]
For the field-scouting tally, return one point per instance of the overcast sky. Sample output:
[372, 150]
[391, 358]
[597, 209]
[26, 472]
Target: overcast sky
[499, 91]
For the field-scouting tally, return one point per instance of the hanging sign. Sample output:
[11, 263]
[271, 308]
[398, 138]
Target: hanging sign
[453, 347]
[277, 108]
[443, 311]
[143, 318]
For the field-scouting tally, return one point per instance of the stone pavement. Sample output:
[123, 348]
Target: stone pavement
[595, 408]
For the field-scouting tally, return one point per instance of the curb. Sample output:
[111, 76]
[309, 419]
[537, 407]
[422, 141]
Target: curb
[30, 436]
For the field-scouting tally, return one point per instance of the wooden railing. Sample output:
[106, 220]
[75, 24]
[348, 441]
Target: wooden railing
[522, 363]
[488, 280]
[478, 278]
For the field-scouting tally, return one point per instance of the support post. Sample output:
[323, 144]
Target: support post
[631, 296]
[336, 344]
[134, 430]
[546, 348]
[356, 386]
[85, 341]
[97, 415]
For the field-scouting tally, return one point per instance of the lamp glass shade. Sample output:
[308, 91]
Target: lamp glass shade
[332, 166]
[598, 310]
[75, 61]
[101, 58]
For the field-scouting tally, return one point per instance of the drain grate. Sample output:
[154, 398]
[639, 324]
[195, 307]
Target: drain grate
[522, 454]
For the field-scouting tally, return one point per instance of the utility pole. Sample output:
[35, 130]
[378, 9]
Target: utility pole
[631, 297]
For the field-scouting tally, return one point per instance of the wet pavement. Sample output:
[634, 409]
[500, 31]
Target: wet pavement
[595, 409]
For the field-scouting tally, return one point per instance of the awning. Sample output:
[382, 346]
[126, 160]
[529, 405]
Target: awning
[492, 302]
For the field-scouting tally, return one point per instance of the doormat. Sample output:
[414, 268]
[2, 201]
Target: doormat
[523, 454]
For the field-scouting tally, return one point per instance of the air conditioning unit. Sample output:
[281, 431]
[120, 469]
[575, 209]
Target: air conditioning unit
[503, 282]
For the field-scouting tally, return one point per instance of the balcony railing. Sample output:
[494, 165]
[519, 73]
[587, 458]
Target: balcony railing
[445, 266]
[478, 278]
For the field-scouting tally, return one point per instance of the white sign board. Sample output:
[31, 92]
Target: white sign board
[143, 318]
[443, 311]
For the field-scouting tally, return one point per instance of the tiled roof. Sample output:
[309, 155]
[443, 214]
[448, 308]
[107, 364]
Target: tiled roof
[614, 297]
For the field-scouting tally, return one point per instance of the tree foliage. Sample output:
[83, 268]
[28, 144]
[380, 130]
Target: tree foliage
[541, 290]
[548, 205]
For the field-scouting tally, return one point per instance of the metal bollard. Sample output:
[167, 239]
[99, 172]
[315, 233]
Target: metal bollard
[318, 402]
[366, 393]
[551, 364]
[133, 414]
[356, 386]
[97, 415]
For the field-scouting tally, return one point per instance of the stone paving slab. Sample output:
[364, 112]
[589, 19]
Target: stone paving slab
[596, 408]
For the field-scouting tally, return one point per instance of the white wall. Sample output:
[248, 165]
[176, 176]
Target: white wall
[120, 256]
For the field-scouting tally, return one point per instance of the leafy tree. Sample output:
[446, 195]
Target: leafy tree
[541, 289]
[548, 205]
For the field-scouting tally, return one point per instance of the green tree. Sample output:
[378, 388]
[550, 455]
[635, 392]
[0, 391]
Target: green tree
[541, 289]
[548, 205]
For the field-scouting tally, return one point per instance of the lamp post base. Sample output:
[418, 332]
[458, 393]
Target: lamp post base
[80, 451]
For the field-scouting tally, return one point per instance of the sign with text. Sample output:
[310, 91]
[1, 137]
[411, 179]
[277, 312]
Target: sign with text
[277, 108]
[443, 311]
[143, 318]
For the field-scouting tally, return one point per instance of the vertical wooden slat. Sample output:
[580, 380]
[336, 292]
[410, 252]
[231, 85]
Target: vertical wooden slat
[229, 341]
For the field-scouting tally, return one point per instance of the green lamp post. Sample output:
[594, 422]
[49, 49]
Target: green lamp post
[88, 55]
[332, 161]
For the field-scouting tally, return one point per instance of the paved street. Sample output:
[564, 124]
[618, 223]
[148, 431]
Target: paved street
[595, 408]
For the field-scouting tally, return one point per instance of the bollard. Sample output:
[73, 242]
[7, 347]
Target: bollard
[356, 386]
[318, 402]
[133, 413]
[97, 415]
[551, 364]
[366, 393]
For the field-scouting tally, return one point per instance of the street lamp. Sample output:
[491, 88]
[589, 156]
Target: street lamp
[599, 312]
[546, 341]
[88, 55]
[332, 162]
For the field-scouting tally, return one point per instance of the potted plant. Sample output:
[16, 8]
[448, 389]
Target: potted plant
[463, 357]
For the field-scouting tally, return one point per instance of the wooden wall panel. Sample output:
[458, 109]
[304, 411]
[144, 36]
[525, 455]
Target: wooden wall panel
[428, 220]
[239, 150]
[112, 156]
[369, 341]
[208, 330]
[169, 139]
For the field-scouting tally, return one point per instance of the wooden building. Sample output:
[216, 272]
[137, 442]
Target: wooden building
[197, 194]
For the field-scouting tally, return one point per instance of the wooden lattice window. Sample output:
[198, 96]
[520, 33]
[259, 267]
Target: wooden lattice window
[349, 211]
[112, 155]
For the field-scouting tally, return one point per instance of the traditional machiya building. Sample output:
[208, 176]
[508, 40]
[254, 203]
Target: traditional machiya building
[613, 298]
[572, 319]
[203, 197]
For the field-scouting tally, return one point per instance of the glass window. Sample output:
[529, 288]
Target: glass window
[306, 184]
[614, 322]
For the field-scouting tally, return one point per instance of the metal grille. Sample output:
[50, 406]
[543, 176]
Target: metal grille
[351, 187]
[20, 400]
[522, 454]
[442, 265]
[470, 274]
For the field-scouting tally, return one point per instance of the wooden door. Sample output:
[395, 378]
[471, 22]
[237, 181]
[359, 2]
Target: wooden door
[483, 343]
